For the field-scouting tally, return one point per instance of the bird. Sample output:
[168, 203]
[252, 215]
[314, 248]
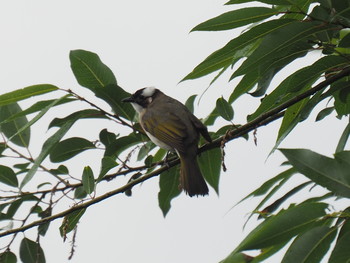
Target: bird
[170, 125]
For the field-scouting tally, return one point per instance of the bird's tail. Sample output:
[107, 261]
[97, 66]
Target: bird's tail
[191, 178]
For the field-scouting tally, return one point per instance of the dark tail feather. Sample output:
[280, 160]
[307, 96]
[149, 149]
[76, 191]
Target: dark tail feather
[191, 178]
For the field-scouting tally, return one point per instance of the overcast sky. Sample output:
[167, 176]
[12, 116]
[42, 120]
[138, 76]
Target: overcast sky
[145, 43]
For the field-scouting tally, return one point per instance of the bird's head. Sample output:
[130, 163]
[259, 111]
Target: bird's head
[142, 98]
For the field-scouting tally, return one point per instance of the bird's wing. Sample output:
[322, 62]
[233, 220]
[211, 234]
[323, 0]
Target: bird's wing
[169, 129]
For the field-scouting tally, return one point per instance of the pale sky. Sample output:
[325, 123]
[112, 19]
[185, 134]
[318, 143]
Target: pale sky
[145, 43]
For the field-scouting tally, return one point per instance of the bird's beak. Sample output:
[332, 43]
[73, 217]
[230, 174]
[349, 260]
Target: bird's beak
[129, 99]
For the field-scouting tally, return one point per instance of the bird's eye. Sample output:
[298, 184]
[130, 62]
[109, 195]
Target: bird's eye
[149, 100]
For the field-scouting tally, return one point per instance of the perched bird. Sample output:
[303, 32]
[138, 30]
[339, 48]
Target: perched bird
[170, 125]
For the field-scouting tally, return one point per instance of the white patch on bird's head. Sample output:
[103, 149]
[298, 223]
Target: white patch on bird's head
[148, 91]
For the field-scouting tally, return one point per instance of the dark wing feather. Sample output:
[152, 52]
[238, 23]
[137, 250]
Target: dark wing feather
[169, 129]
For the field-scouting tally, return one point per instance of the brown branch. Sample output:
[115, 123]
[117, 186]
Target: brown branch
[262, 120]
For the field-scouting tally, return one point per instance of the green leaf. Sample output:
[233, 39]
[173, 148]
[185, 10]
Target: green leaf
[11, 128]
[324, 113]
[89, 70]
[8, 176]
[25, 93]
[297, 83]
[144, 150]
[345, 42]
[48, 145]
[243, 44]
[210, 165]
[83, 114]
[282, 227]
[60, 170]
[266, 186]
[271, 2]
[189, 103]
[8, 257]
[341, 252]
[237, 258]
[31, 252]
[290, 120]
[236, 18]
[88, 180]
[245, 85]
[268, 252]
[342, 98]
[70, 221]
[343, 139]
[323, 170]
[13, 208]
[121, 144]
[210, 120]
[3, 147]
[113, 95]
[278, 44]
[69, 148]
[107, 163]
[311, 246]
[80, 193]
[42, 229]
[38, 106]
[224, 109]
[277, 203]
[169, 188]
[38, 116]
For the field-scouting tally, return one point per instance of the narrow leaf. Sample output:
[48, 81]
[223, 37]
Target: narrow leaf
[83, 114]
[311, 246]
[88, 180]
[282, 227]
[9, 129]
[31, 252]
[341, 251]
[8, 176]
[210, 165]
[236, 18]
[226, 55]
[169, 188]
[237, 258]
[324, 113]
[278, 43]
[290, 120]
[276, 204]
[322, 170]
[49, 144]
[38, 106]
[343, 139]
[270, 2]
[266, 186]
[297, 83]
[25, 93]
[69, 148]
[107, 163]
[70, 221]
[38, 116]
